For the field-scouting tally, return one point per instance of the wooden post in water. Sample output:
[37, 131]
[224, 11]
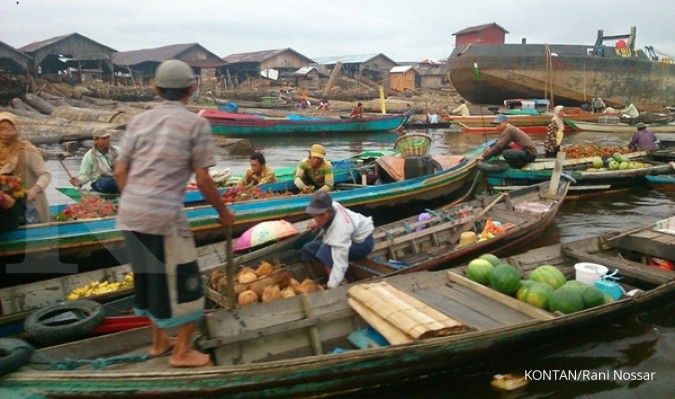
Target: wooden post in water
[555, 176]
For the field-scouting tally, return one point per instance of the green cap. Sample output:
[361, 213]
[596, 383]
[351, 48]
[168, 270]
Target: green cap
[174, 74]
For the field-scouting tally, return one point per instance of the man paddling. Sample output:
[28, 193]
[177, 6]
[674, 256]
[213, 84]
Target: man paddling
[161, 149]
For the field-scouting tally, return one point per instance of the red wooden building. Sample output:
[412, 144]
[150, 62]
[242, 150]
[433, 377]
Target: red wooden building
[481, 34]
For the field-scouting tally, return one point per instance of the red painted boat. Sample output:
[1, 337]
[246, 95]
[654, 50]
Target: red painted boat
[533, 130]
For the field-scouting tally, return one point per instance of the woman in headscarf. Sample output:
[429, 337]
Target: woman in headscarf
[20, 158]
[555, 133]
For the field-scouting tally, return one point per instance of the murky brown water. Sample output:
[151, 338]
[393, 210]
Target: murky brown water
[642, 342]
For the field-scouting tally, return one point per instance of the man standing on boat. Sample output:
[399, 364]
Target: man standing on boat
[314, 172]
[643, 139]
[161, 149]
[97, 166]
[347, 236]
[525, 153]
[462, 109]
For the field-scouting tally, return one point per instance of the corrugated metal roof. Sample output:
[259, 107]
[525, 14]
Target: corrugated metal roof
[16, 52]
[401, 69]
[478, 28]
[349, 59]
[161, 54]
[33, 47]
[260, 56]
[307, 69]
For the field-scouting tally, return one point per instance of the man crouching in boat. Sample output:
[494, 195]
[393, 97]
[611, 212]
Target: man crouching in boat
[97, 166]
[516, 158]
[258, 173]
[161, 149]
[348, 236]
[314, 172]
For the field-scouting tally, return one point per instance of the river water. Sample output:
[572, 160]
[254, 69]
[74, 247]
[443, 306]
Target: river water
[642, 342]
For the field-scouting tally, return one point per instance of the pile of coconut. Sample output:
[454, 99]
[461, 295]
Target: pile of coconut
[265, 283]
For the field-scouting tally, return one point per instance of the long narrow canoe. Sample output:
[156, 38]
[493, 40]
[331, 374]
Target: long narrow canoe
[536, 130]
[662, 182]
[223, 123]
[287, 348]
[617, 128]
[79, 238]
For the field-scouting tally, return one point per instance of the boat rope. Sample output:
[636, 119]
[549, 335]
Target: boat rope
[75, 363]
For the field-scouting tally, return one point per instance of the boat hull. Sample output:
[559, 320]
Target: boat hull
[519, 71]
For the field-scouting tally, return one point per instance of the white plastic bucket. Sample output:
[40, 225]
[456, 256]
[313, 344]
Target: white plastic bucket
[588, 273]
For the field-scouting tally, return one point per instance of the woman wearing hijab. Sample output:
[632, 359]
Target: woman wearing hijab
[22, 159]
[555, 133]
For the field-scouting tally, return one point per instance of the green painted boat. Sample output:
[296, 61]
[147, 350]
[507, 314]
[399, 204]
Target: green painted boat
[301, 346]
[235, 125]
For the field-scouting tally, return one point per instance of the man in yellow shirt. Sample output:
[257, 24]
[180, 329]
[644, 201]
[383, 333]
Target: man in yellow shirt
[258, 173]
[462, 109]
[314, 172]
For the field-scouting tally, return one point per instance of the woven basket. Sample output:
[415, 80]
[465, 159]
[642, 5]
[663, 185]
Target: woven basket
[413, 145]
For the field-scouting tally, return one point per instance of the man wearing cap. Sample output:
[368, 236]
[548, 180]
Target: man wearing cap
[516, 158]
[643, 139]
[97, 166]
[314, 172]
[161, 149]
[347, 236]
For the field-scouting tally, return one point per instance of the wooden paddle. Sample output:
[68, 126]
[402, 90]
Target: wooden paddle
[229, 269]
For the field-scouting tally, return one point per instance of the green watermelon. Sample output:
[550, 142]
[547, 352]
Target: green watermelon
[592, 297]
[614, 165]
[479, 271]
[597, 162]
[607, 298]
[618, 157]
[565, 300]
[525, 285]
[538, 295]
[491, 258]
[624, 165]
[505, 279]
[548, 274]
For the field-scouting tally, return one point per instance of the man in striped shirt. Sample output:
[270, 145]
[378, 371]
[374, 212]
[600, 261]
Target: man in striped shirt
[314, 172]
[161, 149]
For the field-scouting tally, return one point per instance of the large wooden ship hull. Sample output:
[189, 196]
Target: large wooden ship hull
[575, 76]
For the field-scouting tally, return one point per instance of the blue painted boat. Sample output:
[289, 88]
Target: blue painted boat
[224, 123]
[77, 240]
[662, 182]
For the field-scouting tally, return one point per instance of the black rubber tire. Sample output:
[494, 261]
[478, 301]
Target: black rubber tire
[92, 315]
[14, 353]
[496, 166]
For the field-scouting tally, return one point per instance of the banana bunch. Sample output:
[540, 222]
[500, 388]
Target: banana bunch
[100, 287]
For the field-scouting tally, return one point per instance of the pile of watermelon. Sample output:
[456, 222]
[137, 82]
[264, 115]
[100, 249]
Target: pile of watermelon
[546, 287]
[616, 162]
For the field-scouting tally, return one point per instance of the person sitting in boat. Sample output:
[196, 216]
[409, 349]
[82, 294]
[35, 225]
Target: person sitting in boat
[314, 172]
[357, 111]
[643, 139]
[516, 158]
[323, 105]
[597, 105]
[258, 173]
[97, 166]
[347, 236]
[462, 109]
[555, 133]
[630, 111]
[20, 158]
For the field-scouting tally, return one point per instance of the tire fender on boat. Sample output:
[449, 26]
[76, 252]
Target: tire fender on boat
[14, 353]
[89, 314]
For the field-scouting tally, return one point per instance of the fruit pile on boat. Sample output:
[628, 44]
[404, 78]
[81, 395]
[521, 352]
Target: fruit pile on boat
[546, 287]
[577, 151]
[238, 194]
[89, 207]
[616, 162]
[96, 288]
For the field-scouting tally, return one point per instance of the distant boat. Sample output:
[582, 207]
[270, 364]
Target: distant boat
[576, 74]
[224, 123]
[616, 127]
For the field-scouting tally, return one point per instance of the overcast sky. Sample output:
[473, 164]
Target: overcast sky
[409, 30]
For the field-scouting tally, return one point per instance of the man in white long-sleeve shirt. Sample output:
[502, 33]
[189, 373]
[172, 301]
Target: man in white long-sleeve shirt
[348, 236]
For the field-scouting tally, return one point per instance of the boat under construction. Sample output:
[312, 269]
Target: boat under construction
[489, 73]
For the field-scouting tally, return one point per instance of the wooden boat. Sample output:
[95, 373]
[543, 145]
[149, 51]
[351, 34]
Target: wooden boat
[588, 181]
[523, 120]
[301, 346]
[225, 124]
[53, 243]
[616, 127]
[575, 75]
[662, 182]
[666, 151]
[533, 130]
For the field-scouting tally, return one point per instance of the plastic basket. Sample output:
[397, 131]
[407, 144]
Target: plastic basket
[413, 145]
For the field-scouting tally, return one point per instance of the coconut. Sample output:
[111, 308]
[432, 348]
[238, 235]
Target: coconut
[247, 297]
[271, 293]
[264, 269]
[259, 285]
[307, 286]
[243, 270]
[287, 292]
[248, 277]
